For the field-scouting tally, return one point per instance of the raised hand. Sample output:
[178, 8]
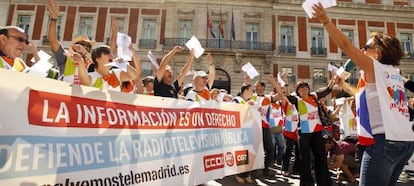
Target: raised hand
[53, 9]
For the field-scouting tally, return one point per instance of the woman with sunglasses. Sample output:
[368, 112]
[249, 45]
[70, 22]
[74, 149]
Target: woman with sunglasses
[392, 138]
[310, 133]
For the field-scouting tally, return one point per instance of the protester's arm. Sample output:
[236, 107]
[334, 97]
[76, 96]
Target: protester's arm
[32, 48]
[82, 71]
[408, 84]
[327, 90]
[53, 9]
[137, 82]
[186, 68]
[114, 34]
[278, 89]
[166, 60]
[346, 87]
[211, 70]
[338, 37]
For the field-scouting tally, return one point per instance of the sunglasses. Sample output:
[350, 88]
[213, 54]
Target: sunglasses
[19, 39]
[303, 85]
[368, 47]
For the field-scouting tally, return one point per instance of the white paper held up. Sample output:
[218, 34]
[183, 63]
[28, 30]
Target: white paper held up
[40, 68]
[123, 41]
[152, 59]
[307, 5]
[195, 44]
[250, 70]
[280, 80]
[332, 68]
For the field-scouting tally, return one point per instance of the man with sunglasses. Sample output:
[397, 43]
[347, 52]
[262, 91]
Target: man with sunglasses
[13, 40]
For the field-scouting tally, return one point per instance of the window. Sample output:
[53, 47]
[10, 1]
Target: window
[317, 42]
[85, 26]
[218, 41]
[149, 30]
[410, 76]
[186, 28]
[286, 40]
[23, 22]
[350, 35]
[289, 74]
[319, 75]
[252, 35]
[216, 29]
[406, 40]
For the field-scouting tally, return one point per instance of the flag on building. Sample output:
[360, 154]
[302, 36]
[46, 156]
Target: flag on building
[233, 30]
[210, 25]
[221, 26]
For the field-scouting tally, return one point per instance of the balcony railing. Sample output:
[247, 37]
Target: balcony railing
[320, 80]
[147, 43]
[318, 51]
[283, 49]
[222, 44]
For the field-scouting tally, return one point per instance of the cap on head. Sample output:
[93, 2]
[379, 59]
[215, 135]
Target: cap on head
[200, 74]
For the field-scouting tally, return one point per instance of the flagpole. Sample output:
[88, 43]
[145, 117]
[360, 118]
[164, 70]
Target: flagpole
[220, 22]
[207, 26]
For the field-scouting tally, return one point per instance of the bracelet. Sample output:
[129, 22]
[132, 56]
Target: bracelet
[53, 19]
[211, 63]
[324, 23]
[286, 85]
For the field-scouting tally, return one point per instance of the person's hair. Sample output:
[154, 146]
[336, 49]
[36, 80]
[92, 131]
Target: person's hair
[214, 90]
[244, 88]
[261, 83]
[97, 53]
[389, 47]
[146, 81]
[300, 84]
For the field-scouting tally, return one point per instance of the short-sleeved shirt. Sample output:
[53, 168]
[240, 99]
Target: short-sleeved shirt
[344, 147]
[165, 90]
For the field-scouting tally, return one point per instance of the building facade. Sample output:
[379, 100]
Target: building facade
[273, 35]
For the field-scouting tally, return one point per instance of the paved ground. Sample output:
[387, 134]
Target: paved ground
[406, 179]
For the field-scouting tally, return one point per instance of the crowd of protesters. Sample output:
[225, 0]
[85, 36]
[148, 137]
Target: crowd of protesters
[293, 122]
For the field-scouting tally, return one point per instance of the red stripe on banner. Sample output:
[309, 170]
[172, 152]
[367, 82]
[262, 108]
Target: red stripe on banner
[57, 110]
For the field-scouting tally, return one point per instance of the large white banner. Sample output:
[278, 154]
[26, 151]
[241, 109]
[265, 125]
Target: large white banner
[52, 133]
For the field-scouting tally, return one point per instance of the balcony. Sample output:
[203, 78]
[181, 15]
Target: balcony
[320, 80]
[147, 43]
[171, 42]
[318, 51]
[283, 49]
[222, 44]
